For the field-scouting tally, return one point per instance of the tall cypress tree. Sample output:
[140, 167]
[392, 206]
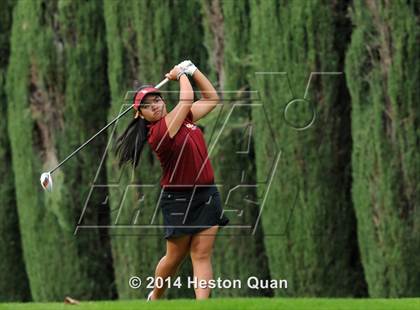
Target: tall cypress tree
[308, 217]
[133, 250]
[145, 40]
[14, 283]
[383, 71]
[227, 39]
[57, 94]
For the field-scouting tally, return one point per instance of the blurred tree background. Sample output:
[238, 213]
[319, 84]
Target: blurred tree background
[315, 143]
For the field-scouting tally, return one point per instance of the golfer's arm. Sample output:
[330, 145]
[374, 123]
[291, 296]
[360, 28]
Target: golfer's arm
[209, 97]
[186, 93]
[176, 117]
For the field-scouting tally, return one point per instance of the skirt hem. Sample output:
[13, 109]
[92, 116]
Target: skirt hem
[174, 232]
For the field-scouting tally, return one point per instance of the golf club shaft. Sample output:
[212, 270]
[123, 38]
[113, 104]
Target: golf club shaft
[103, 129]
[88, 141]
[166, 80]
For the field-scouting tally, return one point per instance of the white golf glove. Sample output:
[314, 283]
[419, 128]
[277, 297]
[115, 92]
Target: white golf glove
[188, 67]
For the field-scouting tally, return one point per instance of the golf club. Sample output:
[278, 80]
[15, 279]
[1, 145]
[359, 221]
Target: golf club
[46, 179]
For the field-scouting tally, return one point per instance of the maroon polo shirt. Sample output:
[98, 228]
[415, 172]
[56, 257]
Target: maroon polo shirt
[183, 158]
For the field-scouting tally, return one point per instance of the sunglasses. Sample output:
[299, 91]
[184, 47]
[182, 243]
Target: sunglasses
[147, 104]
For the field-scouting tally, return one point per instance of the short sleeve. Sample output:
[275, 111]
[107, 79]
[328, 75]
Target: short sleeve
[159, 136]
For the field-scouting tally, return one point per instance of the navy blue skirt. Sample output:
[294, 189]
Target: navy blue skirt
[189, 212]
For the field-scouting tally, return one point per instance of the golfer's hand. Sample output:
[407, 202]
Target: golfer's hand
[188, 67]
[172, 75]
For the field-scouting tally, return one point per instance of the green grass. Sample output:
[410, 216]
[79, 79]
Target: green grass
[234, 303]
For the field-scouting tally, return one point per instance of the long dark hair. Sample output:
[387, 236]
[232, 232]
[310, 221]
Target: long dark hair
[129, 145]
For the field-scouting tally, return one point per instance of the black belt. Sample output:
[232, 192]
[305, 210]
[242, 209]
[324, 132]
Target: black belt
[187, 189]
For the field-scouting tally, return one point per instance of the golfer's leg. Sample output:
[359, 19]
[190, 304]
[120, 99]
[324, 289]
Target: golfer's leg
[201, 250]
[176, 250]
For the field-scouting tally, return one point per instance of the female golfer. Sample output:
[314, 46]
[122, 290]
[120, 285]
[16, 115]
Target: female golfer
[190, 201]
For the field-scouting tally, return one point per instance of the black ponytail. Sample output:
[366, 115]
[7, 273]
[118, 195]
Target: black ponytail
[129, 145]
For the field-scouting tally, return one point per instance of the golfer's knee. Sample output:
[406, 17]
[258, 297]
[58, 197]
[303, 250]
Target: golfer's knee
[174, 259]
[200, 255]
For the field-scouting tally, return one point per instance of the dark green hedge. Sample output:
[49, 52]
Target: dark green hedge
[14, 281]
[57, 94]
[308, 218]
[383, 72]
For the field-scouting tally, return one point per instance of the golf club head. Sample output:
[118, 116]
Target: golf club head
[46, 181]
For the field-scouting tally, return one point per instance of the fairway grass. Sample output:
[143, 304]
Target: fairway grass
[229, 303]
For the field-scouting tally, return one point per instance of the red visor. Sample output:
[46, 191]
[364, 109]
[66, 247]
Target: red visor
[140, 95]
